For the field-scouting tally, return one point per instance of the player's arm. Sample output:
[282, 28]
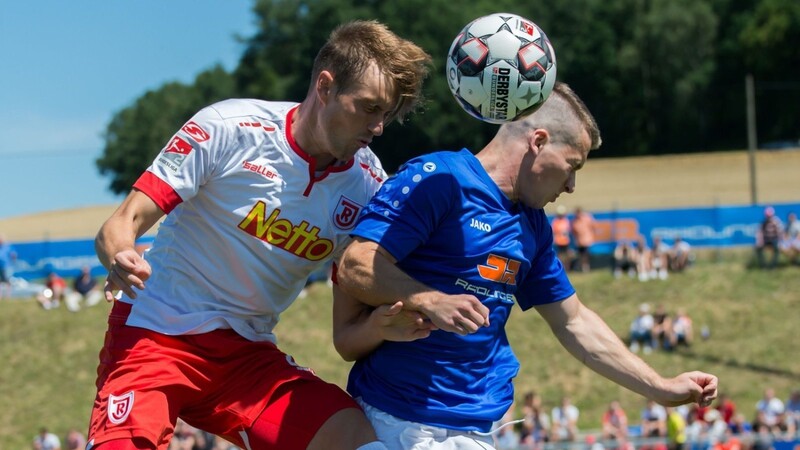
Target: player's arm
[358, 328]
[115, 244]
[589, 339]
[368, 272]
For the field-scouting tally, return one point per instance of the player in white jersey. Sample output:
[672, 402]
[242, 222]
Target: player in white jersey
[257, 195]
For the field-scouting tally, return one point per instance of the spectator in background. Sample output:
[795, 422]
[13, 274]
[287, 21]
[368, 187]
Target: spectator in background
[770, 413]
[583, 231]
[642, 256]
[7, 258]
[506, 437]
[562, 230]
[792, 409]
[679, 255]
[790, 245]
[52, 297]
[659, 259]
[624, 260]
[682, 333]
[46, 440]
[641, 332]
[676, 429]
[654, 420]
[768, 237]
[615, 423]
[85, 289]
[75, 440]
[535, 424]
[726, 407]
[662, 328]
[565, 421]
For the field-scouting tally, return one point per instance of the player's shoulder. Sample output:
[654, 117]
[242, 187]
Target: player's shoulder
[439, 162]
[251, 107]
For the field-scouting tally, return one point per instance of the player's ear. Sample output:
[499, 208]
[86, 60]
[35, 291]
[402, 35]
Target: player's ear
[324, 86]
[537, 140]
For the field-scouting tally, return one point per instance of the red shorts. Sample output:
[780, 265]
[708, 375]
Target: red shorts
[217, 381]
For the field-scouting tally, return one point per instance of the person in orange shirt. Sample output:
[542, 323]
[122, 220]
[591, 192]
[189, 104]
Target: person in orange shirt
[583, 230]
[561, 236]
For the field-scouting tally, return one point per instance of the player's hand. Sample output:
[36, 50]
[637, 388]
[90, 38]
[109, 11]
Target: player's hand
[401, 325]
[462, 314]
[689, 387]
[128, 270]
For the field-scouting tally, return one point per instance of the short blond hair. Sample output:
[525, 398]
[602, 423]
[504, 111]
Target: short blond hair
[351, 48]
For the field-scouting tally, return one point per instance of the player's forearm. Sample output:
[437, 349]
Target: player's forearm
[372, 277]
[357, 338]
[589, 339]
[114, 236]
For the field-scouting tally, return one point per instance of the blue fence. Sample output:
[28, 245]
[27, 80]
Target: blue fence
[721, 226]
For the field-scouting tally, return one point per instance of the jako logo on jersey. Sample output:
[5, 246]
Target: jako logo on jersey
[478, 225]
[175, 153]
[499, 269]
[259, 169]
[429, 167]
[300, 240]
[346, 213]
[195, 132]
[119, 407]
[256, 125]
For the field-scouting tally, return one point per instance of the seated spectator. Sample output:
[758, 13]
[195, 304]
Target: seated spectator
[726, 407]
[643, 256]
[75, 440]
[564, 426]
[682, 333]
[505, 436]
[7, 258]
[792, 411]
[679, 255]
[536, 422]
[659, 259]
[654, 420]
[641, 332]
[662, 328]
[717, 429]
[84, 289]
[790, 245]
[615, 423]
[740, 425]
[46, 440]
[624, 260]
[770, 414]
[583, 230]
[562, 230]
[52, 297]
[768, 237]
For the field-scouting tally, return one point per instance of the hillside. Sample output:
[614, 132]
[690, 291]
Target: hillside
[605, 184]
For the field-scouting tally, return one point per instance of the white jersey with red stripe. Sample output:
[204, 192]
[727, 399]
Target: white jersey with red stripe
[248, 220]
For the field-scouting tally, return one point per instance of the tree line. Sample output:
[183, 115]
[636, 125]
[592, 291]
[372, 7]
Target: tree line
[660, 76]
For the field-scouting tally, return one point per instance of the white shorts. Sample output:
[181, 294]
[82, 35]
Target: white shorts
[399, 434]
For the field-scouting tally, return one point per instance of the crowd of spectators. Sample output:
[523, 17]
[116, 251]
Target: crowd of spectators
[721, 426]
[661, 330]
[573, 238]
[638, 260]
[775, 238]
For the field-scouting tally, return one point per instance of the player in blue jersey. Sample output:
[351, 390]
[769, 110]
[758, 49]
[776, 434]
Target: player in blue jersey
[458, 239]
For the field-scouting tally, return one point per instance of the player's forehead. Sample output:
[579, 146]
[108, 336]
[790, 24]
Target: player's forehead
[373, 86]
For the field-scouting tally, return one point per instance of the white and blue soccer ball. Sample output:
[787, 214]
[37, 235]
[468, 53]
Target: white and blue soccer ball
[501, 67]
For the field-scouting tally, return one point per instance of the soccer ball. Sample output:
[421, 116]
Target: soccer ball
[501, 67]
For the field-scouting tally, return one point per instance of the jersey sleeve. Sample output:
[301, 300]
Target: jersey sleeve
[187, 161]
[408, 207]
[547, 281]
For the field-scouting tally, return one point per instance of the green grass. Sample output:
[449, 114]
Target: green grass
[49, 357]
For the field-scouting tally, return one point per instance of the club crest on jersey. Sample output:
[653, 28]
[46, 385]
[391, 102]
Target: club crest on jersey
[119, 407]
[346, 213]
[175, 153]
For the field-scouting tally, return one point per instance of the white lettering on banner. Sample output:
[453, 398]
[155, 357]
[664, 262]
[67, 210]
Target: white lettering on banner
[706, 232]
[57, 263]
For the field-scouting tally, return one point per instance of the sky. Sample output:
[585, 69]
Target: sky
[66, 67]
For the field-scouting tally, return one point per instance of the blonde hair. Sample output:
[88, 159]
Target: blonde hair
[563, 115]
[353, 46]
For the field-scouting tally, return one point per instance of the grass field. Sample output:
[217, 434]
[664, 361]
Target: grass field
[50, 356]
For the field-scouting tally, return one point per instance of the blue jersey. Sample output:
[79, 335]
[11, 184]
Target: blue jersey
[450, 227]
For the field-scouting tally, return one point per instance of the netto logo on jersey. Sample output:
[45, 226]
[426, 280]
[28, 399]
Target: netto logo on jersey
[300, 240]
